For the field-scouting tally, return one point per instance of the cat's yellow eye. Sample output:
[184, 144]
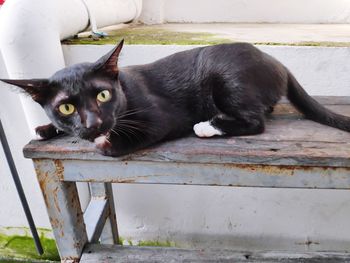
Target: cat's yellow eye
[66, 109]
[104, 96]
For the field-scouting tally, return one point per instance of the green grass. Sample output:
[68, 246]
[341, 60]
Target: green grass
[15, 248]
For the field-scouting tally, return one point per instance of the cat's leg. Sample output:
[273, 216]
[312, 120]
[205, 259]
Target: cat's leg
[46, 132]
[104, 146]
[115, 145]
[228, 125]
[237, 126]
[240, 106]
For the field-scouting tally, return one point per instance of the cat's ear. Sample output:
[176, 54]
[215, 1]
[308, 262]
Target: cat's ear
[36, 88]
[109, 62]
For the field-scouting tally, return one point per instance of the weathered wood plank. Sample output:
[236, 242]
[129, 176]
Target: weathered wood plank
[340, 105]
[104, 191]
[325, 100]
[63, 207]
[204, 174]
[287, 146]
[286, 141]
[95, 217]
[120, 254]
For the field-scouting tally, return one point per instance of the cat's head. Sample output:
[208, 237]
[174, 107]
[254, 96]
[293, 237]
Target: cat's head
[82, 100]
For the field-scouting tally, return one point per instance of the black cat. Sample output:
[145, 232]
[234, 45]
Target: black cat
[216, 90]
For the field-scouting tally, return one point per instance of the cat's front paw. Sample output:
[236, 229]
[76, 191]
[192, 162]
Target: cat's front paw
[46, 132]
[103, 145]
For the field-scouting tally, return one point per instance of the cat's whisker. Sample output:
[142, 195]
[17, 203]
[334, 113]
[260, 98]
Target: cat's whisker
[141, 128]
[135, 126]
[131, 126]
[139, 125]
[131, 132]
[134, 111]
[115, 132]
[135, 121]
[123, 132]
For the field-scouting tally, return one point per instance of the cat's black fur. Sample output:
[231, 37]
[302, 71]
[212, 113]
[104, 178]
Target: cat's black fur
[232, 85]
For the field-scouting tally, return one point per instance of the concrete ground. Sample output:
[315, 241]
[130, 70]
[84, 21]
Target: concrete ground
[276, 33]
[273, 34]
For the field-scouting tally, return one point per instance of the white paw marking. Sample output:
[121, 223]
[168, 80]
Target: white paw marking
[100, 140]
[205, 129]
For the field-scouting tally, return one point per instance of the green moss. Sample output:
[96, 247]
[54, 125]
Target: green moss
[17, 260]
[23, 247]
[153, 35]
[146, 243]
[156, 243]
[121, 240]
[135, 35]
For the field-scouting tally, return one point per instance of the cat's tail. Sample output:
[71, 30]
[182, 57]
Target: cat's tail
[312, 109]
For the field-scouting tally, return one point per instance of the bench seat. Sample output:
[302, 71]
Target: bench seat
[292, 153]
[120, 254]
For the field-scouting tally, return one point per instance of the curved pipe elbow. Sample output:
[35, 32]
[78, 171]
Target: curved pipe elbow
[30, 31]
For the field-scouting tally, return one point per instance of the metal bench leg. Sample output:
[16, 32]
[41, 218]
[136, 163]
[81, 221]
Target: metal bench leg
[63, 207]
[109, 227]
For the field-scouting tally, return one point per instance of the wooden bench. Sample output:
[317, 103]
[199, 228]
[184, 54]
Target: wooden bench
[293, 153]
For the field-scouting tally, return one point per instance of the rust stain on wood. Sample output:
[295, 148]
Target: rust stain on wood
[43, 179]
[266, 169]
[54, 222]
[77, 244]
[70, 259]
[55, 199]
[59, 169]
[126, 181]
[57, 224]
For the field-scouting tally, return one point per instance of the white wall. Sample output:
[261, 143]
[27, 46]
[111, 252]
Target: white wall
[246, 11]
[247, 218]
[18, 133]
[321, 70]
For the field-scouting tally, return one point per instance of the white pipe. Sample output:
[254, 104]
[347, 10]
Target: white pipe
[114, 11]
[30, 34]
